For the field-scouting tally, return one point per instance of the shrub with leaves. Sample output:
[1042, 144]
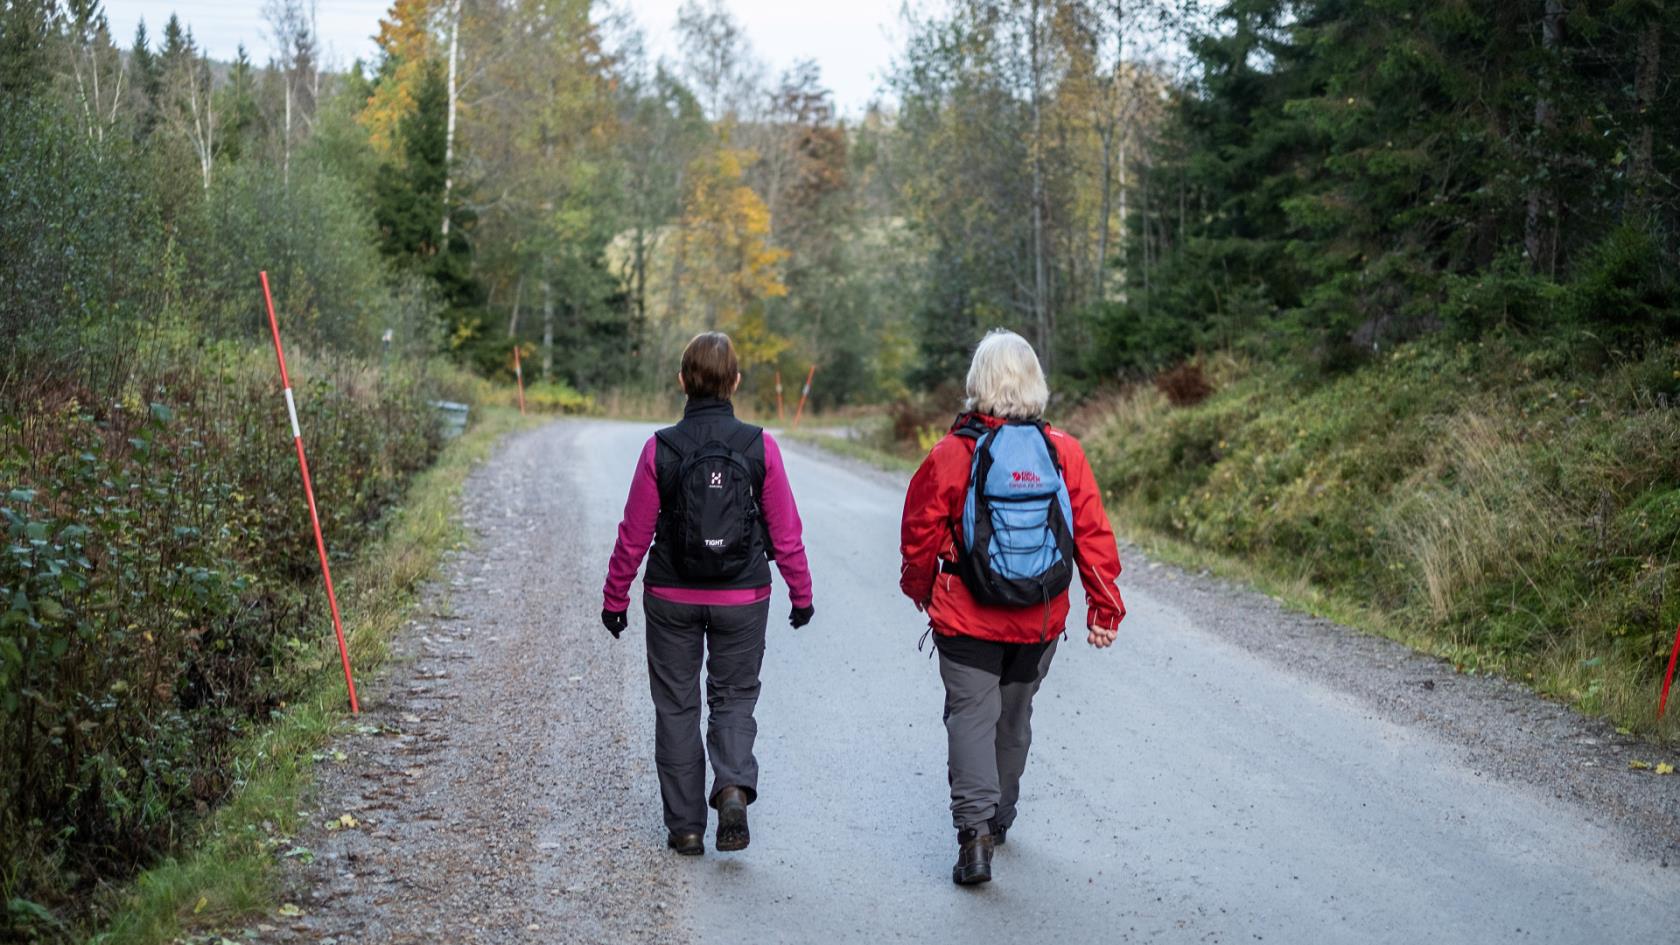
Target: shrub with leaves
[159, 598]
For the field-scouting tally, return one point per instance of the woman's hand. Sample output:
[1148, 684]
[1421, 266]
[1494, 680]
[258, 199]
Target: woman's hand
[1104, 625]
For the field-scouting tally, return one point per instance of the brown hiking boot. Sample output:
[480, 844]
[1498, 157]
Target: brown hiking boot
[687, 843]
[974, 858]
[732, 832]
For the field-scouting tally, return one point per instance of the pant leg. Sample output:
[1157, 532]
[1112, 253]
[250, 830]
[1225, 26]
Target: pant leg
[973, 703]
[676, 634]
[1022, 676]
[735, 654]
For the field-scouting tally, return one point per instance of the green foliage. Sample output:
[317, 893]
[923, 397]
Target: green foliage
[1348, 174]
[159, 599]
[1493, 503]
[556, 397]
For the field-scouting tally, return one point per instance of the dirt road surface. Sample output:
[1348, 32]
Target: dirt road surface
[1228, 772]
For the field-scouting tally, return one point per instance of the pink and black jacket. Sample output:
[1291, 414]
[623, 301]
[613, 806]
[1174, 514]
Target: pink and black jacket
[704, 419]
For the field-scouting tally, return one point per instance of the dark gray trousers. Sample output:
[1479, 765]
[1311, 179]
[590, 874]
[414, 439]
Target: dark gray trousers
[989, 688]
[731, 642]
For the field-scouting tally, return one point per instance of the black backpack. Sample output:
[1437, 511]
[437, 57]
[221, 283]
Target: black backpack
[709, 503]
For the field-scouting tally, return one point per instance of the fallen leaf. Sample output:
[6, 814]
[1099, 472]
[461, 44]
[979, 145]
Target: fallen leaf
[202, 902]
[349, 822]
[290, 910]
[1638, 765]
[1665, 769]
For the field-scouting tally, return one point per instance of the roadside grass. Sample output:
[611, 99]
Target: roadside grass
[1495, 504]
[228, 873]
[860, 450]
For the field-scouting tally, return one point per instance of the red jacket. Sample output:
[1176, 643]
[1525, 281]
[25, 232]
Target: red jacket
[933, 521]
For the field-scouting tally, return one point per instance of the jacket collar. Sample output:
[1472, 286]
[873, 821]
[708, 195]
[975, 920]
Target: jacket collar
[707, 408]
[975, 416]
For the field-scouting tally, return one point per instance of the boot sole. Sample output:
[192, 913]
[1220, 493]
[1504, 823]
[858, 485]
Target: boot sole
[972, 877]
[732, 835]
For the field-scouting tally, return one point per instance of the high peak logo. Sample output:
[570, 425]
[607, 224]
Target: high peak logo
[1025, 477]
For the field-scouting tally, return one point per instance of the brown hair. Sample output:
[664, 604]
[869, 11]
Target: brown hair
[709, 367]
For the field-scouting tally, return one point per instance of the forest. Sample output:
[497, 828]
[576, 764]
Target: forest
[1373, 302]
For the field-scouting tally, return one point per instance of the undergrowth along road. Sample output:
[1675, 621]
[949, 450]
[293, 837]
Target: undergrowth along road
[229, 871]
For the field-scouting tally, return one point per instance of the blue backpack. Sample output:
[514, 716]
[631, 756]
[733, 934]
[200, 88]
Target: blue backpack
[1017, 537]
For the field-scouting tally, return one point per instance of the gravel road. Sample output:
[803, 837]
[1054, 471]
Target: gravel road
[1229, 772]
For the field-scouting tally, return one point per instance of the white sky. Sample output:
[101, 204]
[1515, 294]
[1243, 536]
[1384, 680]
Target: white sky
[852, 40]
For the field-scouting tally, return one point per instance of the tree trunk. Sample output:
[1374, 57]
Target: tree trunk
[1041, 309]
[1538, 230]
[449, 126]
[286, 143]
[518, 297]
[1147, 242]
[638, 289]
[548, 328]
[1643, 168]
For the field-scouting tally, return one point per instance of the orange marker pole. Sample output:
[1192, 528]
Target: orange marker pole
[519, 376]
[309, 493]
[804, 393]
[778, 395]
[1668, 678]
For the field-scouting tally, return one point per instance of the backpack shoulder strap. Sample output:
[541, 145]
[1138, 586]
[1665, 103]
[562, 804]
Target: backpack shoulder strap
[680, 441]
[747, 440]
[675, 446]
[1049, 444]
[969, 426]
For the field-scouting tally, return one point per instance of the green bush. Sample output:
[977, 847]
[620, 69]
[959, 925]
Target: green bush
[159, 594]
[1495, 504]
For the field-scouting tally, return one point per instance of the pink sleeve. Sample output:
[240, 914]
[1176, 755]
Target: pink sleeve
[782, 516]
[635, 532]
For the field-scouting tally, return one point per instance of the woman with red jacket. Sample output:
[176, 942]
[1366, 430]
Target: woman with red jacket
[992, 657]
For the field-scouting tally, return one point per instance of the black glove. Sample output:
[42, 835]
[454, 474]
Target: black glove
[801, 615]
[615, 621]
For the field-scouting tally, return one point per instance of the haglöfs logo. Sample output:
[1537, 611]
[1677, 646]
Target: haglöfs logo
[1025, 477]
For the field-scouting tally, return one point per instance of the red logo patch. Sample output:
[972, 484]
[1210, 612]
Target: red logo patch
[1025, 476]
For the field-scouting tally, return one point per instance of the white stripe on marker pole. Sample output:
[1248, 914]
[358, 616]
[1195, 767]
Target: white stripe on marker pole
[291, 411]
[309, 493]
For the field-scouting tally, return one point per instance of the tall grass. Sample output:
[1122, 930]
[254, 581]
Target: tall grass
[1495, 503]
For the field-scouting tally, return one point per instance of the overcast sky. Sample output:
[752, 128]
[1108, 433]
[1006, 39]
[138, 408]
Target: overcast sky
[852, 40]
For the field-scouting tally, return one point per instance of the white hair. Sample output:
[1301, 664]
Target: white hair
[1005, 379]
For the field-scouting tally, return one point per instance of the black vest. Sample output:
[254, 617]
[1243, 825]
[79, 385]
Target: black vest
[703, 420]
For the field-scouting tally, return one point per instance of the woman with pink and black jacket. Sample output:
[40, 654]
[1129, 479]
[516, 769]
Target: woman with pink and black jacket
[712, 499]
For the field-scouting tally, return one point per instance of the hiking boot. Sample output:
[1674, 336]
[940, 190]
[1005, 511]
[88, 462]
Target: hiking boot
[732, 820]
[974, 858]
[687, 842]
[999, 832]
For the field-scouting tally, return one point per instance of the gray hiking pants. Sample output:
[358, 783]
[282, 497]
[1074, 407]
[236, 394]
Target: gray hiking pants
[730, 640]
[989, 688]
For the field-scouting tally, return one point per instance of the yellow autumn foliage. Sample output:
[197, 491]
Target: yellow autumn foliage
[406, 40]
[728, 265]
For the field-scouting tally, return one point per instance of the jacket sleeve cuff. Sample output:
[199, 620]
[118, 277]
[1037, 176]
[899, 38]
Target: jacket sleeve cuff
[1103, 618]
[917, 584]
